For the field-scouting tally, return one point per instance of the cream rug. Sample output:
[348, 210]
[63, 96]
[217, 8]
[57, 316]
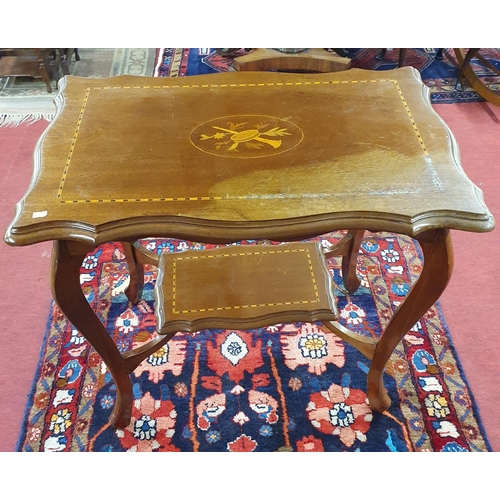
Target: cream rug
[25, 100]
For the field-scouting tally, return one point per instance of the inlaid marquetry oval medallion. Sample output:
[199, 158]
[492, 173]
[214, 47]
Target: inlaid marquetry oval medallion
[246, 136]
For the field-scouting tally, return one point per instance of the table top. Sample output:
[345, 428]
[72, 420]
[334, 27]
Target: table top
[245, 155]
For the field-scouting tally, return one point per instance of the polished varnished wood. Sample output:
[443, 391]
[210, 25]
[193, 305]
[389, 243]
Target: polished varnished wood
[125, 158]
[243, 287]
[245, 155]
[310, 60]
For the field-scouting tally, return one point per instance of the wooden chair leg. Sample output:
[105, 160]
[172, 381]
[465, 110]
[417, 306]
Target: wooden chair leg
[53, 63]
[42, 66]
[470, 54]
[136, 273]
[475, 82]
[402, 54]
[350, 261]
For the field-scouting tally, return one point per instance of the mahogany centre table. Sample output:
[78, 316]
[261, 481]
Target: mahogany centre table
[227, 157]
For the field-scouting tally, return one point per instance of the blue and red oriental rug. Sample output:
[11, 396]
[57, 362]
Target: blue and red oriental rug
[286, 387]
[439, 75]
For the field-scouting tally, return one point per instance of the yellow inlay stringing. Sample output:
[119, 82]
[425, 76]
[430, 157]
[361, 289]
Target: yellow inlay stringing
[405, 104]
[60, 190]
[72, 147]
[242, 254]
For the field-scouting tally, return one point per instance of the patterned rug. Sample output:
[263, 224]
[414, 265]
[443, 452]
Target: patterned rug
[287, 387]
[439, 75]
[25, 99]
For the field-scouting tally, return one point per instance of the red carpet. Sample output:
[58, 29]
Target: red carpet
[24, 284]
[468, 308]
[470, 302]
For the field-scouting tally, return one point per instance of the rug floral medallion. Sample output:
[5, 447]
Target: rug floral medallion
[286, 387]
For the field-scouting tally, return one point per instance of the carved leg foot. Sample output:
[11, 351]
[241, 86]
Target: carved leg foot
[350, 261]
[378, 398]
[136, 273]
[67, 258]
[438, 264]
[461, 71]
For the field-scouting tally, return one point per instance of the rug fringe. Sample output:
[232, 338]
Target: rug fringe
[14, 120]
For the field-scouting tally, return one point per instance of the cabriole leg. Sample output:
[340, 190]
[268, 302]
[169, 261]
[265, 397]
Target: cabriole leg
[437, 268]
[67, 258]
